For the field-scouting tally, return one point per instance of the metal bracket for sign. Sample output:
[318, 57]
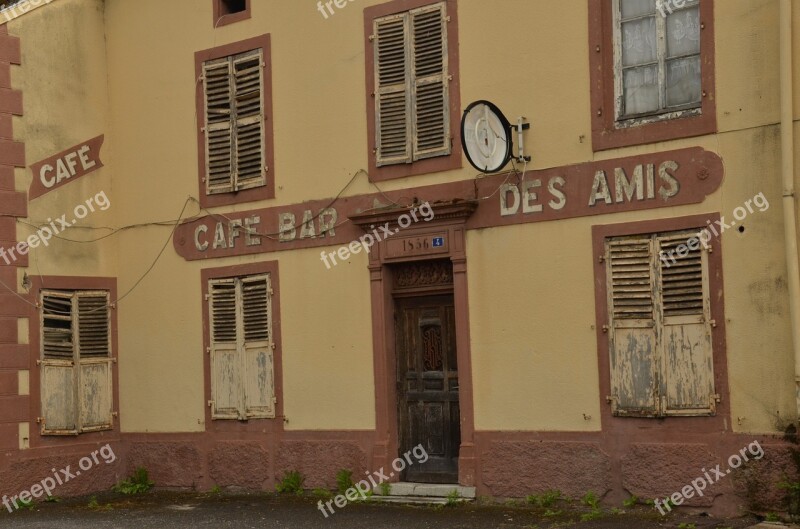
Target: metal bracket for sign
[522, 125]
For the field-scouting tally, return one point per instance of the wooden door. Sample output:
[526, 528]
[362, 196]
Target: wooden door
[427, 382]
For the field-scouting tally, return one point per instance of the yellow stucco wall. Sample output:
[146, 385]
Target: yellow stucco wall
[530, 286]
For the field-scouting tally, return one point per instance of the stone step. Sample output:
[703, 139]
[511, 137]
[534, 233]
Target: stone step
[427, 490]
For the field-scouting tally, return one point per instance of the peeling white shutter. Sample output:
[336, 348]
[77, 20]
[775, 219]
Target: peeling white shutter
[688, 382]
[94, 357]
[392, 90]
[632, 332]
[258, 348]
[218, 126]
[57, 367]
[430, 82]
[249, 87]
[226, 365]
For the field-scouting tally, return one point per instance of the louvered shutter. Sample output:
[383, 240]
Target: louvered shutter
[258, 352]
[57, 367]
[632, 332]
[685, 320]
[249, 115]
[94, 360]
[430, 82]
[227, 392]
[393, 119]
[219, 126]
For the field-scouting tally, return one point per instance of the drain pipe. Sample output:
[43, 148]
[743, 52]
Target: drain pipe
[787, 170]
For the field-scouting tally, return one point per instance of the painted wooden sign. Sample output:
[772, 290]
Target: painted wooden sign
[649, 181]
[65, 167]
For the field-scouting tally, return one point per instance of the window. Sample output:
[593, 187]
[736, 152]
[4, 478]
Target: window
[411, 67]
[659, 332]
[652, 68]
[230, 11]
[657, 48]
[241, 347]
[76, 374]
[235, 132]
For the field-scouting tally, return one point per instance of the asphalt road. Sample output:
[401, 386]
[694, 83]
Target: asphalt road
[193, 511]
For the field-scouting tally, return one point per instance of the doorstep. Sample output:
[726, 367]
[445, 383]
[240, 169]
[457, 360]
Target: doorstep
[424, 493]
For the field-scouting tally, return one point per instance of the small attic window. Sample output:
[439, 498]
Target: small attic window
[230, 11]
[230, 7]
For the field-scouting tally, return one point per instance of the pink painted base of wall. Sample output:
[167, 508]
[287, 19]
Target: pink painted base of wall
[510, 465]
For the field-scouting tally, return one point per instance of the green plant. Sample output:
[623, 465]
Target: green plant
[322, 493]
[138, 483]
[28, 505]
[52, 499]
[93, 503]
[550, 513]
[386, 489]
[630, 502]
[772, 517]
[292, 483]
[215, 489]
[687, 526]
[594, 514]
[547, 499]
[344, 480]
[590, 499]
[453, 497]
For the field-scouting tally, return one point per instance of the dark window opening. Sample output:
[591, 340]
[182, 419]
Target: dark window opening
[230, 7]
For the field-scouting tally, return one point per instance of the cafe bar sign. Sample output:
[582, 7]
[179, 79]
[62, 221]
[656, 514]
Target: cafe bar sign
[649, 181]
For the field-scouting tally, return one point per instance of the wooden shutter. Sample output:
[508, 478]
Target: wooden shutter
[219, 126]
[94, 360]
[685, 320]
[430, 82]
[392, 90]
[57, 367]
[632, 332]
[227, 393]
[248, 83]
[258, 349]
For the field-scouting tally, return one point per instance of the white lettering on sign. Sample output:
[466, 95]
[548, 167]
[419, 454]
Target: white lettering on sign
[227, 233]
[326, 221]
[511, 197]
[626, 189]
[65, 167]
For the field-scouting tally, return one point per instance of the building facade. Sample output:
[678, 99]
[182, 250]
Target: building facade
[245, 237]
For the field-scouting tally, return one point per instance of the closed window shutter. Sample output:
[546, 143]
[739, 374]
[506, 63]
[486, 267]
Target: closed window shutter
[430, 82]
[258, 347]
[393, 121]
[57, 368]
[94, 360]
[685, 319]
[632, 332]
[226, 366]
[219, 126]
[248, 81]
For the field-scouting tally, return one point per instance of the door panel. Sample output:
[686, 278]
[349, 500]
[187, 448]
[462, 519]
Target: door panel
[428, 386]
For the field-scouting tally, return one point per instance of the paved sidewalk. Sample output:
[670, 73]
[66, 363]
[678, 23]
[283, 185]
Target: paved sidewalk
[193, 511]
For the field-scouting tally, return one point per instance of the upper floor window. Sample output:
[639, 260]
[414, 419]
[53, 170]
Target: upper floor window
[652, 70]
[230, 11]
[657, 52]
[234, 107]
[411, 67]
[76, 374]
